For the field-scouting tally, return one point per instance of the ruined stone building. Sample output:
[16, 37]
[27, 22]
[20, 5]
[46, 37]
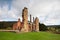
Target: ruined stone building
[26, 26]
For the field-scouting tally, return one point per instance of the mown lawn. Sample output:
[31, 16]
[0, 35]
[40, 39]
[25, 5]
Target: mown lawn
[29, 36]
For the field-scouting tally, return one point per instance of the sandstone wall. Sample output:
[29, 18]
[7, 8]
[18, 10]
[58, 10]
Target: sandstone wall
[37, 24]
[25, 19]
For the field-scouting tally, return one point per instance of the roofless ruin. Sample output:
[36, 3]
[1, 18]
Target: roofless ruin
[26, 26]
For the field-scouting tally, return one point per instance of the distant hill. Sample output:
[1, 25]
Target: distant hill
[5, 24]
[53, 25]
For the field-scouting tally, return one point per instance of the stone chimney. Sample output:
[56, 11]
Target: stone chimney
[33, 19]
[30, 18]
[18, 19]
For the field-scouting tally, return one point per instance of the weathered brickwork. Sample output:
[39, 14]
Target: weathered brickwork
[26, 26]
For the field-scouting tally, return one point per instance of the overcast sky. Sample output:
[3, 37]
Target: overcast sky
[48, 11]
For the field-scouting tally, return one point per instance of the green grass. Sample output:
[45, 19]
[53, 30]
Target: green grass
[29, 36]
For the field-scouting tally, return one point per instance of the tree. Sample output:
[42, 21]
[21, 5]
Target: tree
[42, 27]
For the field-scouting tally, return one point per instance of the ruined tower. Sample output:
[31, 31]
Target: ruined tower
[37, 24]
[25, 19]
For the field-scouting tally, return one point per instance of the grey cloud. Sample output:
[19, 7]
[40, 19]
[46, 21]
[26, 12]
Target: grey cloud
[44, 9]
[48, 11]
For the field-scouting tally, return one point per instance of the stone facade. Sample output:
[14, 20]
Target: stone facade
[37, 24]
[26, 26]
[17, 25]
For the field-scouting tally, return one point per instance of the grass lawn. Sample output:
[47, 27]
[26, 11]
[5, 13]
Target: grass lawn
[29, 36]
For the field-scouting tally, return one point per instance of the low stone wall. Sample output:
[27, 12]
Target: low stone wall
[9, 30]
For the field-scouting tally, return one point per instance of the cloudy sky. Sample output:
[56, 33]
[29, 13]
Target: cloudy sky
[48, 11]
